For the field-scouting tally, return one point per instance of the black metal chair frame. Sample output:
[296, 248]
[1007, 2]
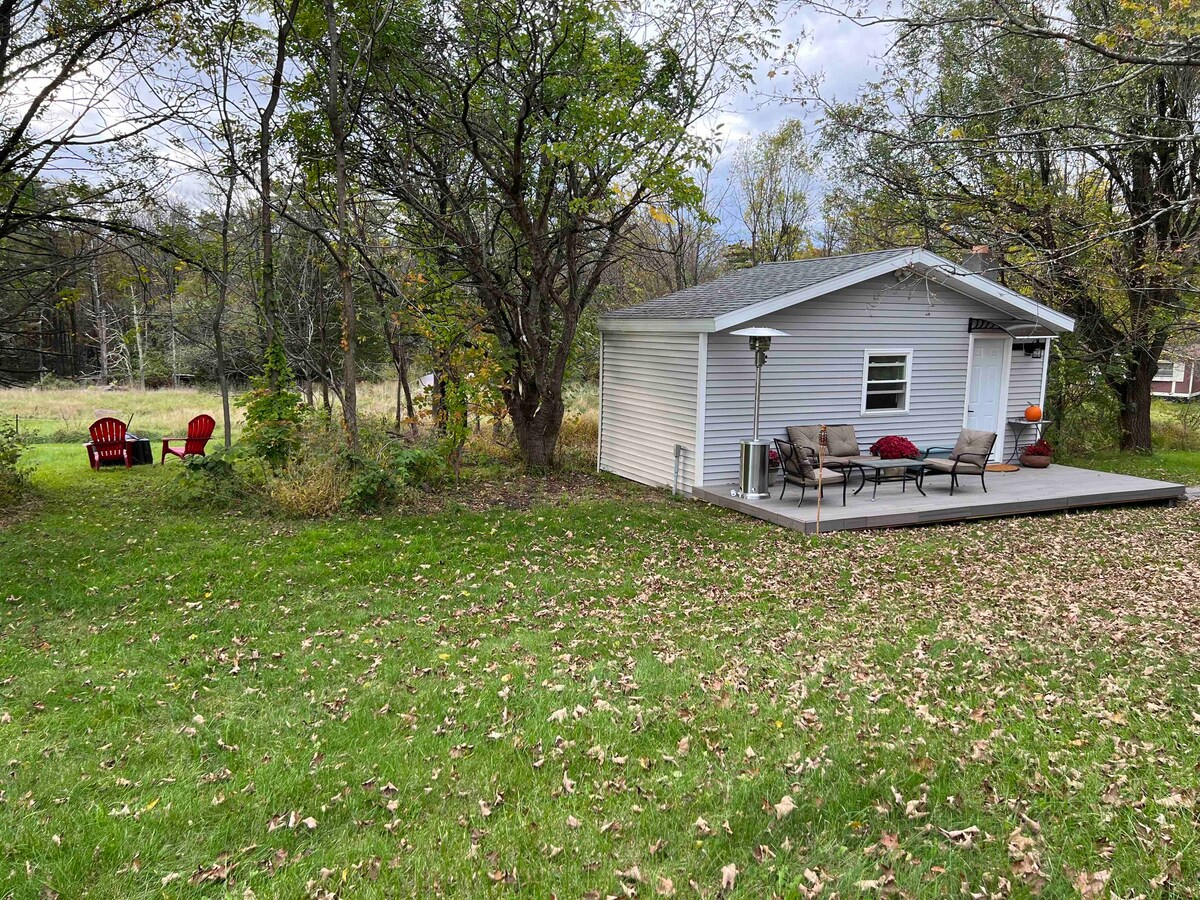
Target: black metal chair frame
[969, 457]
[785, 455]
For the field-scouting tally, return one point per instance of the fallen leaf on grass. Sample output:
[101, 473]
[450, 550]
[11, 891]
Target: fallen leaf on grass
[963, 838]
[216, 872]
[784, 806]
[1091, 884]
[633, 873]
[1026, 861]
[729, 876]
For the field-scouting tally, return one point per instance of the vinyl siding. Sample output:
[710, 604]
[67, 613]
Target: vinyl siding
[1024, 387]
[1185, 387]
[648, 406]
[816, 373]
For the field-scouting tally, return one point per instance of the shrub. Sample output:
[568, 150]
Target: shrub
[50, 382]
[371, 486]
[273, 412]
[212, 482]
[893, 446]
[419, 467]
[14, 479]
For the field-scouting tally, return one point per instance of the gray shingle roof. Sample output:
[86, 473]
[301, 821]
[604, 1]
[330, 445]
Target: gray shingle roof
[746, 287]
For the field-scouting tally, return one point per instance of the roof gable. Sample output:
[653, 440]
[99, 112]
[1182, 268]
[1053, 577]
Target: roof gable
[743, 287]
[748, 294]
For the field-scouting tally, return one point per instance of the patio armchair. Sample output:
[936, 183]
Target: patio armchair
[199, 433]
[109, 443]
[796, 467]
[968, 456]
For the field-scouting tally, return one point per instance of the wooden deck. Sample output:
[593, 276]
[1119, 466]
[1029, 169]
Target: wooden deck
[1027, 491]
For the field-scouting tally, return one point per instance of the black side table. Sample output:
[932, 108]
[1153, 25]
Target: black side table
[1018, 427]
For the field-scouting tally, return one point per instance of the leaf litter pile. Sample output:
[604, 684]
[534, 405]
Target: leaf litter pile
[607, 698]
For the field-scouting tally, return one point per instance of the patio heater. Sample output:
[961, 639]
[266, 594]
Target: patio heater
[752, 484]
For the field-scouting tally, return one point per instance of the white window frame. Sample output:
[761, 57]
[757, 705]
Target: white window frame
[1176, 371]
[907, 353]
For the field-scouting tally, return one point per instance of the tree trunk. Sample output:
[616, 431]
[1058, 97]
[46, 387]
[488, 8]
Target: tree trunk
[404, 400]
[1133, 395]
[137, 336]
[537, 419]
[101, 321]
[286, 18]
[338, 129]
[409, 408]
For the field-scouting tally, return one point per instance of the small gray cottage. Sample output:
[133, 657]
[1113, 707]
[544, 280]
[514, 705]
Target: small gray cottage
[893, 342]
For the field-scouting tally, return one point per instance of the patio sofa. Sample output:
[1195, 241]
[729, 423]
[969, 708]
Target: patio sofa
[841, 444]
[969, 456]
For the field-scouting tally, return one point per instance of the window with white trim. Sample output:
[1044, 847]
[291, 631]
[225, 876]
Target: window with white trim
[886, 376]
[1169, 371]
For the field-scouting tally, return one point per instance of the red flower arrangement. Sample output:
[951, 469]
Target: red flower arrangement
[893, 446]
[773, 457]
[1040, 447]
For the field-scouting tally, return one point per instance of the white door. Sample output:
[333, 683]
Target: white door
[985, 396]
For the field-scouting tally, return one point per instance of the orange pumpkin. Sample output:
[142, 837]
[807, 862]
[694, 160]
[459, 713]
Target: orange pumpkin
[1033, 413]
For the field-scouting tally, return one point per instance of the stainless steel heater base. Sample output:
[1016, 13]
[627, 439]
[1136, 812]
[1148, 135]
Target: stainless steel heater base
[752, 485]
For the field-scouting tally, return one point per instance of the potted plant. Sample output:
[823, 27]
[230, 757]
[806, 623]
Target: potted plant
[893, 446]
[1037, 455]
[772, 465]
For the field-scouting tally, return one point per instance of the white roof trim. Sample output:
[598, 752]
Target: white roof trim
[939, 269]
[990, 292]
[643, 326]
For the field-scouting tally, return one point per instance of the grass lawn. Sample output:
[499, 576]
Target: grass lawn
[1179, 466]
[596, 695]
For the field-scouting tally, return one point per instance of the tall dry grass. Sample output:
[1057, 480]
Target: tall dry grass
[63, 415]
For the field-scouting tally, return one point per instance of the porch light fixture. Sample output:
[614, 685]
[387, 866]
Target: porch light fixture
[753, 482]
[1035, 349]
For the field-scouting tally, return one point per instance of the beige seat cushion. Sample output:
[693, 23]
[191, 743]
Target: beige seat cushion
[947, 465]
[841, 440]
[805, 436]
[972, 442]
[795, 461]
[828, 476]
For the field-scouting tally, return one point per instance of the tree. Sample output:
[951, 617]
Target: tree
[523, 137]
[771, 175]
[1067, 138]
[67, 166]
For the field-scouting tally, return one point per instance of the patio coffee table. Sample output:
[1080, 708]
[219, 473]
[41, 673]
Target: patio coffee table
[874, 470]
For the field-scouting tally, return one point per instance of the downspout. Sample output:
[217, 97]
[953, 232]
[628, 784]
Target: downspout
[600, 404]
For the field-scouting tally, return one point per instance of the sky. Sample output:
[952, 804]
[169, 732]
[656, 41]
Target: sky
[840, 54]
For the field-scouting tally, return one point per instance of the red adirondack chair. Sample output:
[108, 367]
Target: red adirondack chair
[200, 431]
[108, 442]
